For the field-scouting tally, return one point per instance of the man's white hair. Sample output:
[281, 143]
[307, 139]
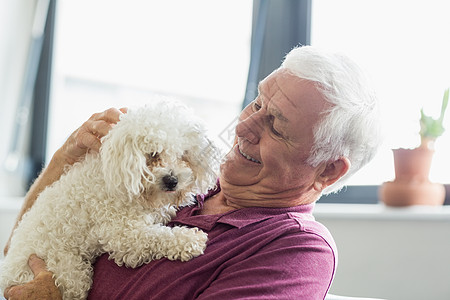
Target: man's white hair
[351, 127]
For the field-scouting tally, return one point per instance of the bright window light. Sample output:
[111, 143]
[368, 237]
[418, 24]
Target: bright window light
[121, 53]
[405, 47]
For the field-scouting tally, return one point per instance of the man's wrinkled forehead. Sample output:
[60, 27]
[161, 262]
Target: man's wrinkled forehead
[285, 84]
[299, 92]
[271, 84]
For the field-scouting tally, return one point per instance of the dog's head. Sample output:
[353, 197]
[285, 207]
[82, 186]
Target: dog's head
[159, 152]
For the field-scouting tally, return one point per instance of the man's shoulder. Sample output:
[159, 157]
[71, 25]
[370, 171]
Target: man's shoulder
[316, 230]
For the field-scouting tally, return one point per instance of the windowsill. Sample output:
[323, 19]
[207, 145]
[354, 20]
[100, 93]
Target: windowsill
[329, 210]
[381, 212]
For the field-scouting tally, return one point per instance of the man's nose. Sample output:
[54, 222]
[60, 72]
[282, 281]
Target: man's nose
[251, 127]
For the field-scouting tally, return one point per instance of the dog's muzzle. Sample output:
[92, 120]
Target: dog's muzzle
[170, 182]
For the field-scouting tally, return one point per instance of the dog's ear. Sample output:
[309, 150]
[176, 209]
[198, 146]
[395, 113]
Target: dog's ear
[204, 158]
[124, 161]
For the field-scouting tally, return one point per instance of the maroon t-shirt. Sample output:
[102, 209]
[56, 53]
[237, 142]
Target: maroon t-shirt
[251, 253]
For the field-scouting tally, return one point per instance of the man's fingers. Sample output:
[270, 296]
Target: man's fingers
[12, 292]
[99, 125]
[36, 264]
[6, 293]
[99, 128]
[111, 115]
[88, 137]
[89, 141]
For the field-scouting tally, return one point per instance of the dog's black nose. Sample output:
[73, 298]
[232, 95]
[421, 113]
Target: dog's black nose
[170, 182]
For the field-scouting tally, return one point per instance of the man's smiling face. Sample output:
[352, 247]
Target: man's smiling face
[274, 139]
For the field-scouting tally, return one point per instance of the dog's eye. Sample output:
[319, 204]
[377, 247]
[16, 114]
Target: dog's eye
[185, 156]
[152, 157]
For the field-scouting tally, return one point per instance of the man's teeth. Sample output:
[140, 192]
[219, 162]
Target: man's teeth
[249, 157]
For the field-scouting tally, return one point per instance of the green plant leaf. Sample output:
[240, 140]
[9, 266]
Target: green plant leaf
[432, 128]
[444, 105]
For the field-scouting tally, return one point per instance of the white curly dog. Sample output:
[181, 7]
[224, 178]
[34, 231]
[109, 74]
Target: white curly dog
[118, 201]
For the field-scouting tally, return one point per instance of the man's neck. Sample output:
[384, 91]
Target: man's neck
[222, 202]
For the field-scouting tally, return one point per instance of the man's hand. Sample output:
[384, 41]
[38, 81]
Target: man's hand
[41, 287]
[88, 136]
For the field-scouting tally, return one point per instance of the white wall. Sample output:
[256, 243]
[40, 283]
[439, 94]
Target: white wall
[394, 254]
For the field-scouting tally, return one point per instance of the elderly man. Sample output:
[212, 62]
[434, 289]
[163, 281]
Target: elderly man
[313, 124]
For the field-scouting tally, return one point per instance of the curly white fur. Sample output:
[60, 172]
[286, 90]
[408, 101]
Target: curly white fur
[118, 201]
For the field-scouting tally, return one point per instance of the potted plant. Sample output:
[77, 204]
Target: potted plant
[411, 185]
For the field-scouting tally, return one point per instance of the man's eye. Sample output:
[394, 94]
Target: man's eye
[256, 106]
[272, 127]
[276, 132]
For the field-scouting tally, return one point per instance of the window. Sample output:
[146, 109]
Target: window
[116, 53]
[122, 53]
[405, 46]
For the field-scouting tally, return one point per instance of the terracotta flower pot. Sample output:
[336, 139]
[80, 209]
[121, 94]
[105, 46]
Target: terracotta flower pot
[411, 185]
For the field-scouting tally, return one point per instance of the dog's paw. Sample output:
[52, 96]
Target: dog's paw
[191, 243]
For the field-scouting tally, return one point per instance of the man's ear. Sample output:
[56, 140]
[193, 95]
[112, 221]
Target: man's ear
[330, 172]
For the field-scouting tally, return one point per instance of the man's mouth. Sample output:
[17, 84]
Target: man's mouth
[248, 157]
